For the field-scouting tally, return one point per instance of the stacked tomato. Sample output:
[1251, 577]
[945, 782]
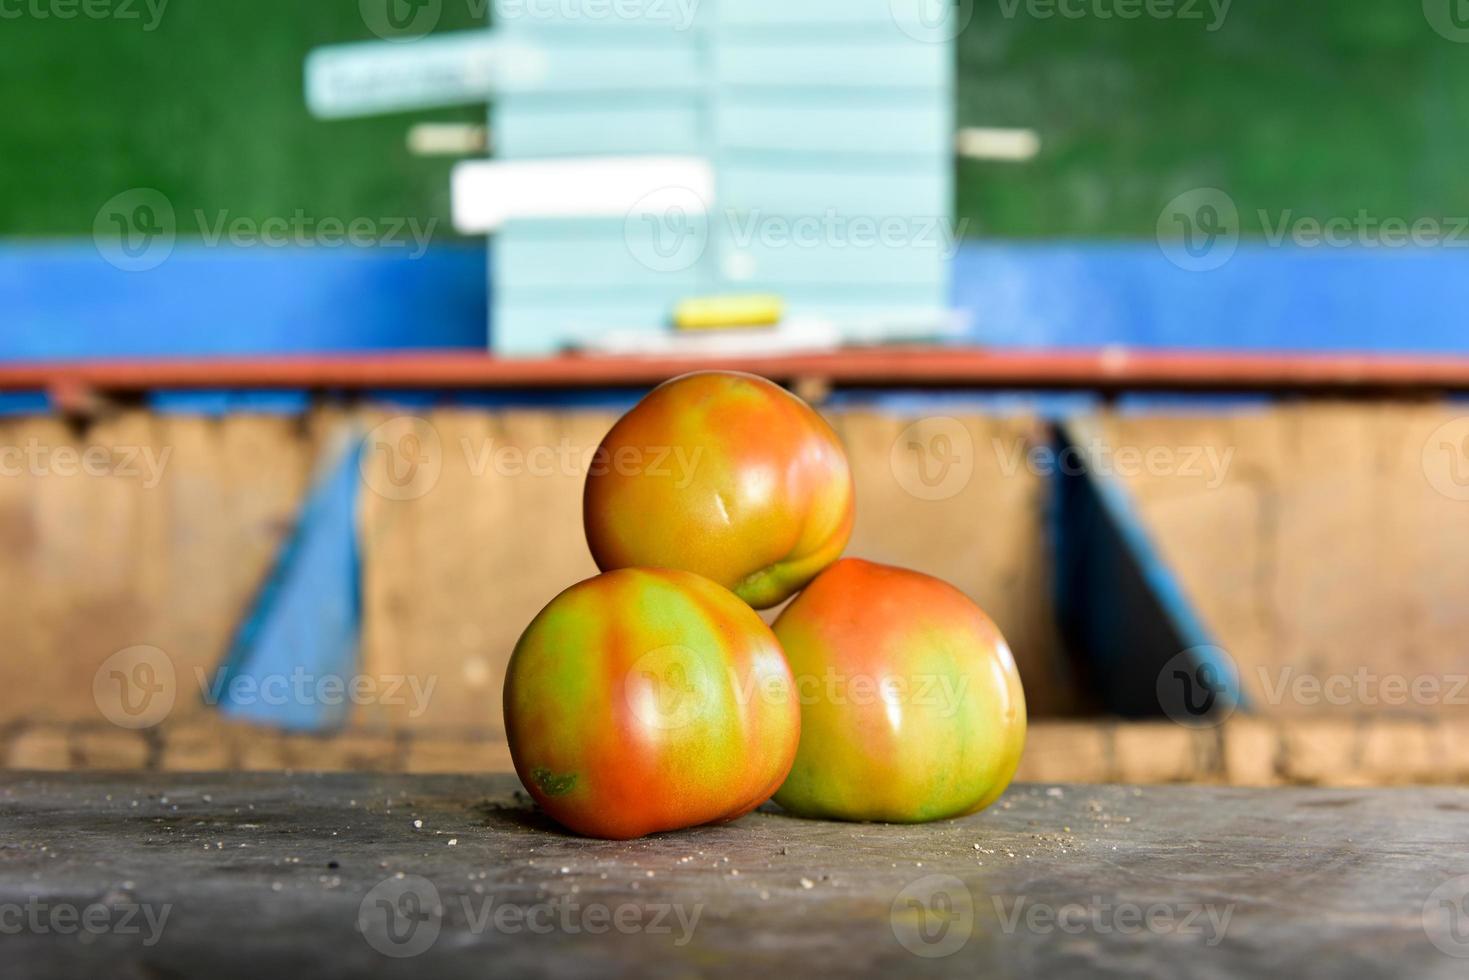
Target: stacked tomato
[653, 697]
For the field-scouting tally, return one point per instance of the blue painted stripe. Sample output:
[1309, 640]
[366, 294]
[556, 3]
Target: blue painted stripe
[64, 301]
[1263, 298]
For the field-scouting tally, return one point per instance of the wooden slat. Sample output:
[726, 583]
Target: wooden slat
[898, 367]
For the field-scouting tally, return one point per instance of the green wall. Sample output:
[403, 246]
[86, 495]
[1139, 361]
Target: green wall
[1323, 109]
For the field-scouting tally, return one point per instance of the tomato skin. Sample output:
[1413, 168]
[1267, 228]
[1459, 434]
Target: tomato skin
[723, 474]
[911, 704]
[646, 700]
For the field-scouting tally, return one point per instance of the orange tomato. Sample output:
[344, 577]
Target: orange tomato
[648, 700]
[726, 475]
[911, 705]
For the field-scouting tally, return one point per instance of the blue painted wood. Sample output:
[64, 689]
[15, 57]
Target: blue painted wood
[1091, 294]
[304, 625]
[1123, 613]
[62, 300]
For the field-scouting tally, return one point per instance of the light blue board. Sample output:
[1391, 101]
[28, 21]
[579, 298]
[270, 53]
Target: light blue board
[793, 65]
[608, 67]
[836, 125]
[913, 253]
[570, 256]
[559, 21]
[852, 187]
[527, 129]
[806, 109]
[879, 16]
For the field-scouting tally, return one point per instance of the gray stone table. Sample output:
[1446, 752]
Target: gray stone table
[268, 875]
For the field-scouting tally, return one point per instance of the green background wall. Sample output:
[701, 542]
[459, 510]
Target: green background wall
[1323, 109]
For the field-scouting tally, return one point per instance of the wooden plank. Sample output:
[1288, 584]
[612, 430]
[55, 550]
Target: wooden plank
[1323, 558]
[901, 367]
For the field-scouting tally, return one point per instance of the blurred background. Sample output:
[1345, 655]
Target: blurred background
[1142, 323]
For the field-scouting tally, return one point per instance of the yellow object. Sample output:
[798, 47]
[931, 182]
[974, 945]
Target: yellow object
[719, 312]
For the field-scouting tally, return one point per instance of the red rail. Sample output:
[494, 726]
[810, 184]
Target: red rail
[1104, 370]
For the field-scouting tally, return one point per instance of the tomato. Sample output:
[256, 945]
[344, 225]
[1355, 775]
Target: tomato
[645, 700]
[911, 705]
[726, 475]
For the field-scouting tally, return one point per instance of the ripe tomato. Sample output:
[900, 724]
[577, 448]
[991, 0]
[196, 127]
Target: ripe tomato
[645, 700]
[726, 475]
[911, 705]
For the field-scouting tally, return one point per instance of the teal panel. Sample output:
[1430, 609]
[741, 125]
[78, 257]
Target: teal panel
[523, 329]
[605, 65]
[850, 187]
[673, 21]
[588, 126]
[884, 63]
[884, 15]
[834, 250]
[855, 309]
[882, 125]
[664, 252]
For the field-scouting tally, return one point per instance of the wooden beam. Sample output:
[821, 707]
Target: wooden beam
[1113, 369]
